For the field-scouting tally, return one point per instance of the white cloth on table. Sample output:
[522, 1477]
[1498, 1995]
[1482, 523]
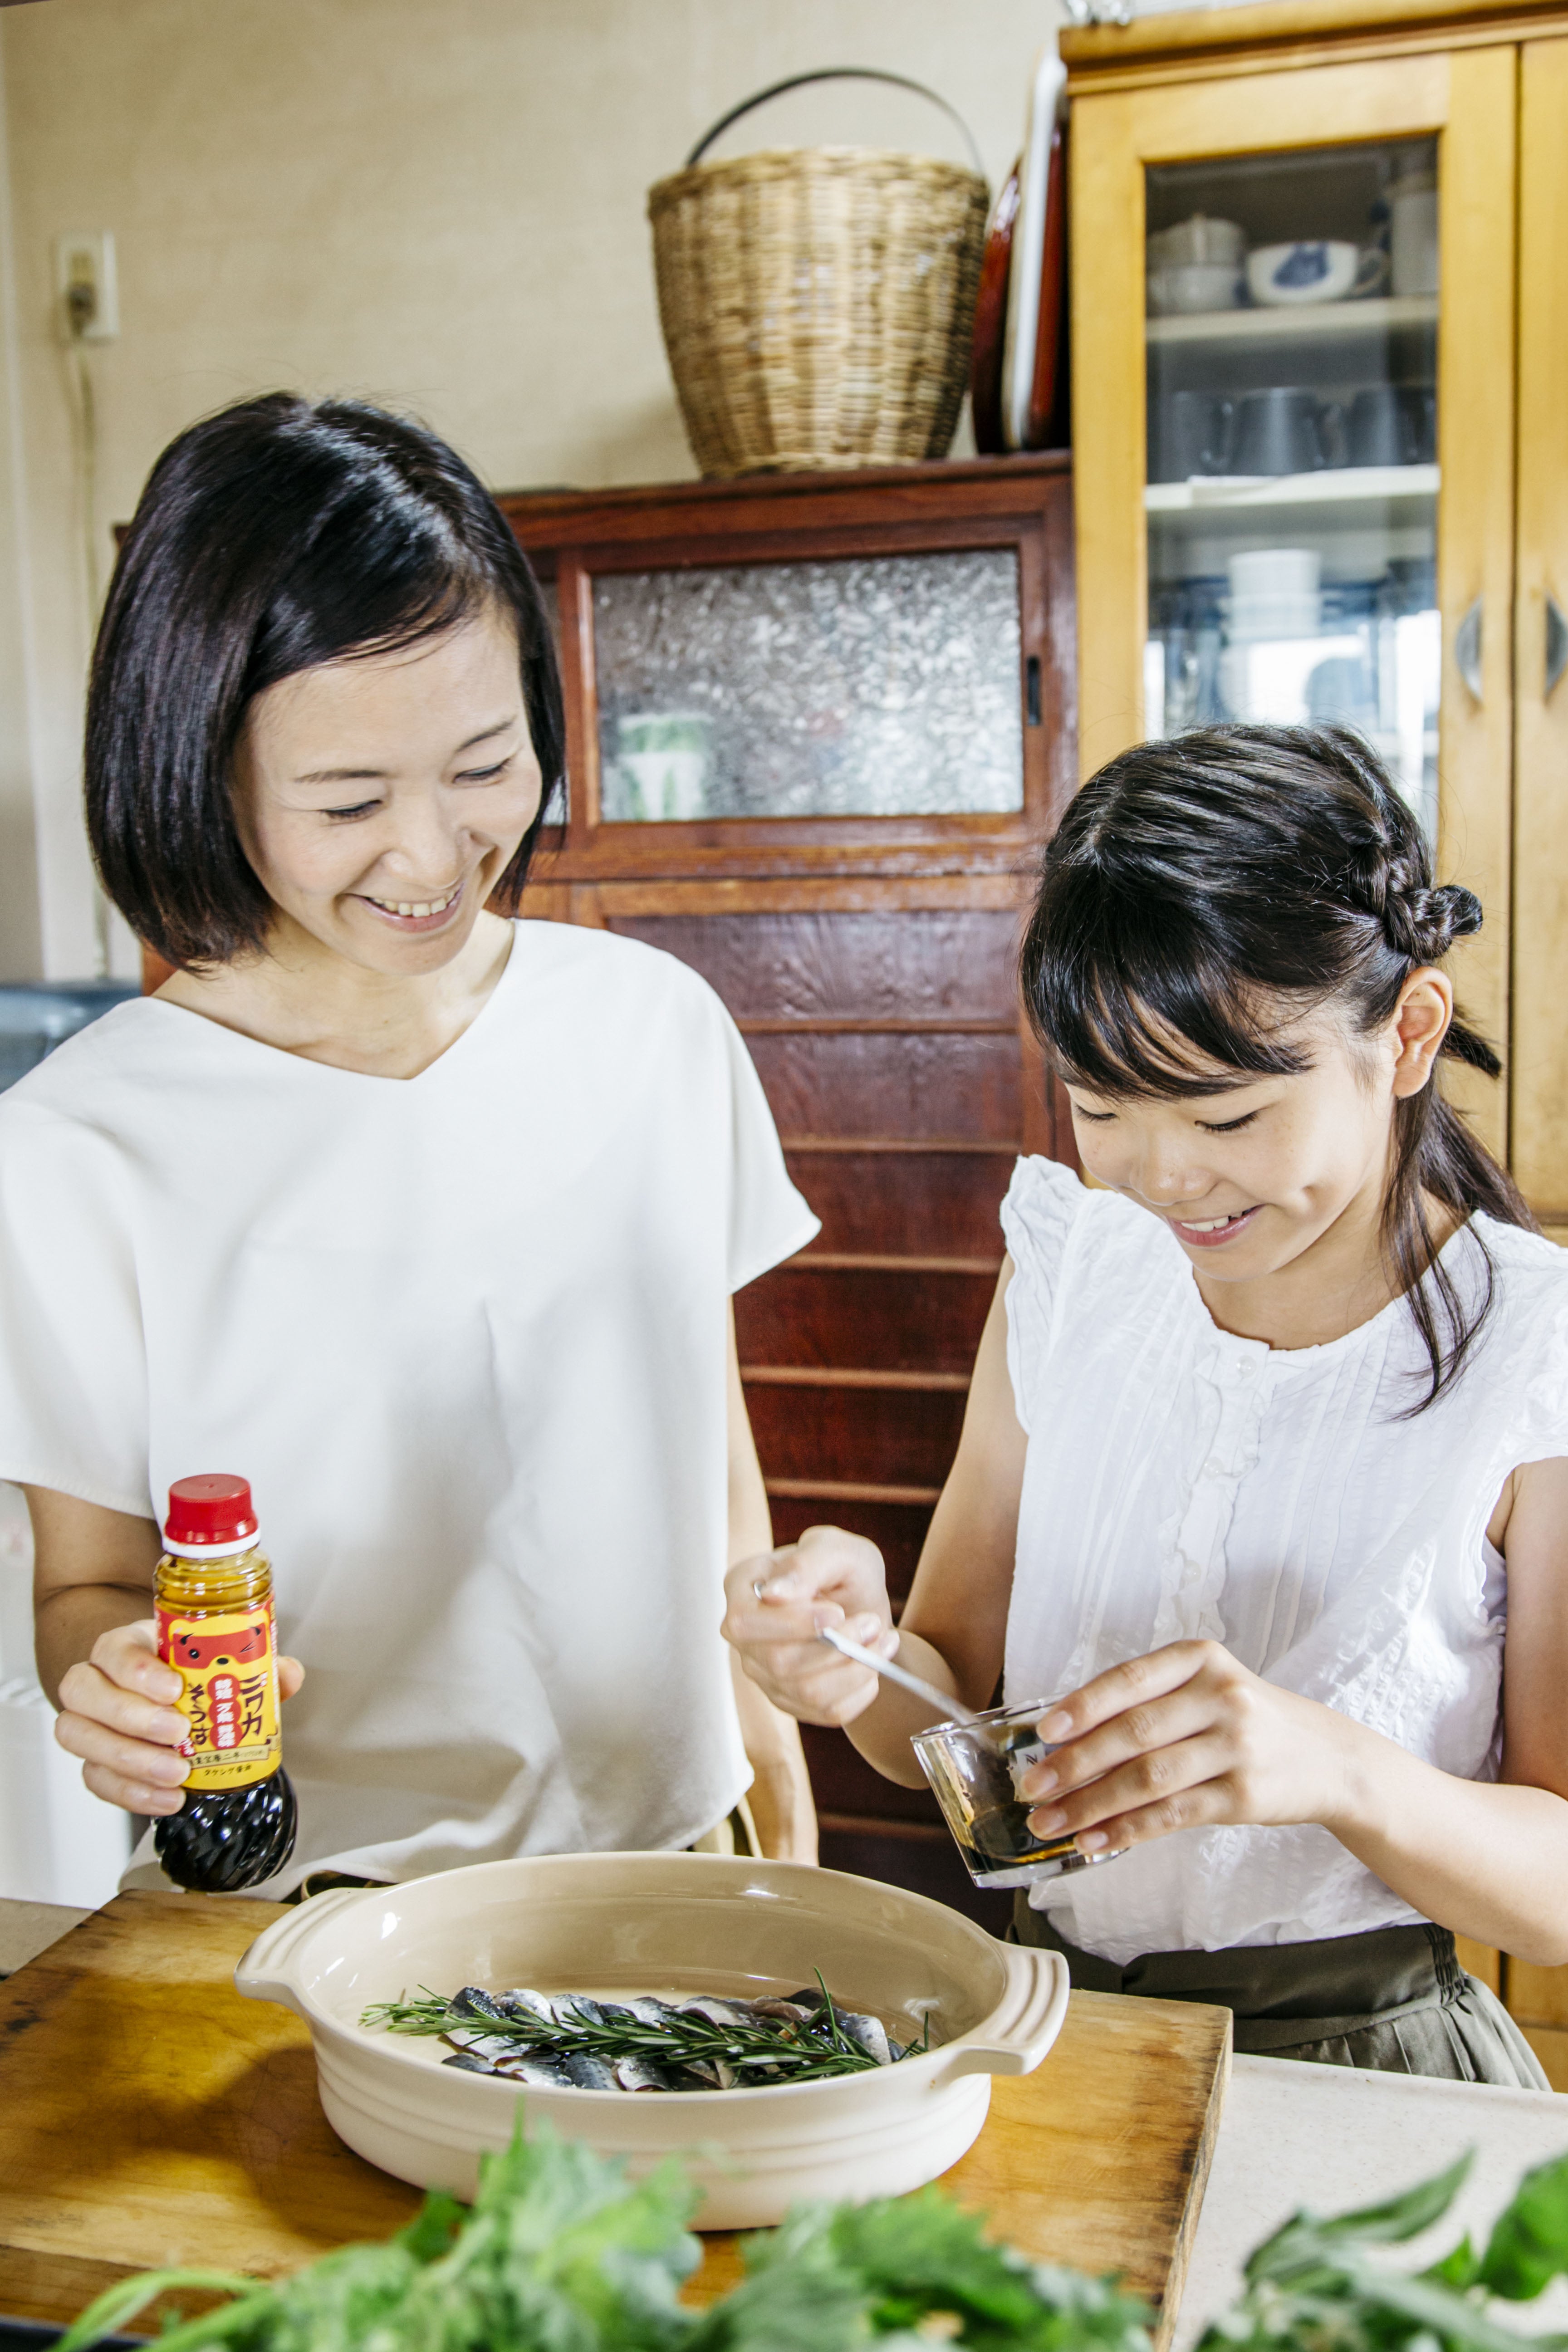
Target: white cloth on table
[1184, 1483]
[466, 1335]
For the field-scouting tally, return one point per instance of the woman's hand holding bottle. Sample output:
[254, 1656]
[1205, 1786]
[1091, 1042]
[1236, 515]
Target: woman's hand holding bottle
[778, 1603]
[118, 1713]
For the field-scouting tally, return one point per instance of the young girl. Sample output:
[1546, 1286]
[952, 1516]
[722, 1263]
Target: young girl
[1264, 1475]
[424, 1220]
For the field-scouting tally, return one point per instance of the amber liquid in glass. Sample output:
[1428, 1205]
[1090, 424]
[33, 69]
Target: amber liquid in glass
[238, 1824]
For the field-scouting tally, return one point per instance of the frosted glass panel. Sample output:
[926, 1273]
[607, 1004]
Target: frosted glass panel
[888, 686]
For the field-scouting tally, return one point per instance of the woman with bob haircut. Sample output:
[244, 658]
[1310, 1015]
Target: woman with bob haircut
[425, 1219]
[1262, 1492]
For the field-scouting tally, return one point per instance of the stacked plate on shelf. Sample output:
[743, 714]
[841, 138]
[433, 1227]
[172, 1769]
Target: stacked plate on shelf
[1274, 594]
[1194, 266]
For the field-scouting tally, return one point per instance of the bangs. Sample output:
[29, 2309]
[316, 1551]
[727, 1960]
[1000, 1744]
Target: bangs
[370, 583]
[439, 590]
[1135, 999]
[439, 600]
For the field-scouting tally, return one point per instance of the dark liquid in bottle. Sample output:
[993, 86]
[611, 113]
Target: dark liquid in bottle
[236, 1826]
[224, 1840]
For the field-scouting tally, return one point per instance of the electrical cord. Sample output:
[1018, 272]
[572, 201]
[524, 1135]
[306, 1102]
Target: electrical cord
[81, 309]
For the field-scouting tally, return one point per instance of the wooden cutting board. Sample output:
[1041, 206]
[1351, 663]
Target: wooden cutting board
[150, 2116]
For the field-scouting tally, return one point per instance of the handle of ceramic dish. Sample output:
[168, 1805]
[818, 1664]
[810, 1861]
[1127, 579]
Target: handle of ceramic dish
[1026, 2021]
[265, 1969]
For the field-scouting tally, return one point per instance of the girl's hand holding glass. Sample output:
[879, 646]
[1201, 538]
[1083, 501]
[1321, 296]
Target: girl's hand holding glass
[1186, 1738]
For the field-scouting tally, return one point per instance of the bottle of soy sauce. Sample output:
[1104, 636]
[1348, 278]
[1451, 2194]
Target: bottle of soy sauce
[214, 1592]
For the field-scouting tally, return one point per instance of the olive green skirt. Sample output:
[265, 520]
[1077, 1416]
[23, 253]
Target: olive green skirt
[1395, 1999]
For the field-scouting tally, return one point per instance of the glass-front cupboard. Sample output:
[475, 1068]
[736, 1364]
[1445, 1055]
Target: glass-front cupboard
[1291, 424]
[1321, 462]
[1319, 346]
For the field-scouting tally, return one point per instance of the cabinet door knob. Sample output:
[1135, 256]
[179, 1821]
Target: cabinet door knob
[1467, 649]
[1556, 646]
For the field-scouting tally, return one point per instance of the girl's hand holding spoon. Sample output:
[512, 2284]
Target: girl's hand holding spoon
[778, 1603]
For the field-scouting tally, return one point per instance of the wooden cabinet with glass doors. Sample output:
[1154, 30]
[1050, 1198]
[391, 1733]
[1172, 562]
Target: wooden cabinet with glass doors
[1320, 385]
[818, 727]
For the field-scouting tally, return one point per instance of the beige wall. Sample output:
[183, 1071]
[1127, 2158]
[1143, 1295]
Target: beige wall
[20, 945]
[437, 202]
[434, 203]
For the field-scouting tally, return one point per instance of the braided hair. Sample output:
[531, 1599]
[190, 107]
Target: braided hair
[1201, 896]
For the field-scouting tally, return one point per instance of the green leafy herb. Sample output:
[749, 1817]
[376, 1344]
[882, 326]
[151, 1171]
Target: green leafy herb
[1317, 2286]
[1529, 2244]
[835, 2275]
[560, 2253]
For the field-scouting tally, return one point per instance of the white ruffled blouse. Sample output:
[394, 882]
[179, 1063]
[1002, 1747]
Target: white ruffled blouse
[1183, 1483]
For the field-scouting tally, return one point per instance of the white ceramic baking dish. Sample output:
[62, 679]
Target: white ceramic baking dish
[665, 1923]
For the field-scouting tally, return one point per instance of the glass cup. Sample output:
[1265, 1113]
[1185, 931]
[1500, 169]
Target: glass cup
[974, 1770]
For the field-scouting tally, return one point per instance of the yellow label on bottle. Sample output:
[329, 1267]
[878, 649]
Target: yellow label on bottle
[227, 1662]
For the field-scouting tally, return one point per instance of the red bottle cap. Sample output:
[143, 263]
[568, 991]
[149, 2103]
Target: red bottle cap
[213, 1509]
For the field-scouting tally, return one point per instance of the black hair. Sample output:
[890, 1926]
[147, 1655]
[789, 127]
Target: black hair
[1201, 894]
[273, 536]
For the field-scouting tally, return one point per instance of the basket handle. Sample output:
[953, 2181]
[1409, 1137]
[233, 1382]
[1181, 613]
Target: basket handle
[834, 73]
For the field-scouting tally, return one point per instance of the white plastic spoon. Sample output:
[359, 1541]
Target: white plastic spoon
[950, 1709]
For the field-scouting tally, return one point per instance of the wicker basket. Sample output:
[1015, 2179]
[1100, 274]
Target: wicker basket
[817, 302]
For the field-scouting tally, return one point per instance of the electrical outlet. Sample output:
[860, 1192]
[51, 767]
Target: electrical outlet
[85, 290]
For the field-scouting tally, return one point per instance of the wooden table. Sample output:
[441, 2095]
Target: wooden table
[151, 2116]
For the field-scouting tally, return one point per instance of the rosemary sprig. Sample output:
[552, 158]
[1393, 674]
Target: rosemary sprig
[787, 2051]
[831, 2014]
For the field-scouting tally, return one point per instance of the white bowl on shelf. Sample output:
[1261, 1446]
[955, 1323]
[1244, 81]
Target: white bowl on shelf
[1274, 594]
[1274, 570]
[665, 1923]
[1310, 269]
[1273, 620]
[1182, 289]
[1201, 238]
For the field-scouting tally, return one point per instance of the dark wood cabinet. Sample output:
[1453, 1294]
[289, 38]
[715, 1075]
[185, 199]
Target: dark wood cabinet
[818, 727]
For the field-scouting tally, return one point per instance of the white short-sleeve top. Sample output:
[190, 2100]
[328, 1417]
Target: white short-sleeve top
[466, 1335]
[1183, 1483]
